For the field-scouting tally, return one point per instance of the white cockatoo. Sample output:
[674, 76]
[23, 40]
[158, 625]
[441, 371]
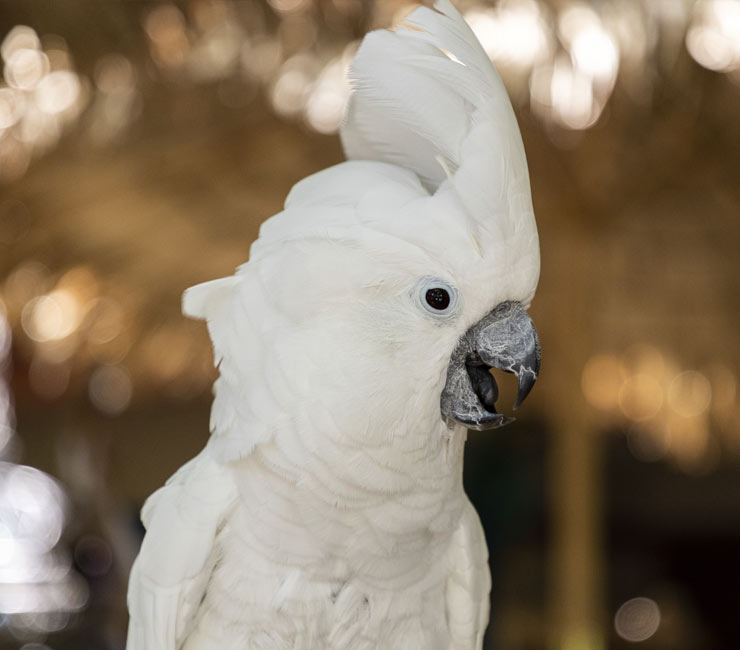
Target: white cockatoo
[327, 510]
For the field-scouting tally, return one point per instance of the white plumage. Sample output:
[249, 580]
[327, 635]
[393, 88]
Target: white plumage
[327, 509]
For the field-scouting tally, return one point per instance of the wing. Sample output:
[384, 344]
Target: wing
[468, 584]
[170, 574]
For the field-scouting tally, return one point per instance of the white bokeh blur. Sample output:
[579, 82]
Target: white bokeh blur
[39, 589]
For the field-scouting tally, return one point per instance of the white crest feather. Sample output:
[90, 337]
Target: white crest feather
[426, 97]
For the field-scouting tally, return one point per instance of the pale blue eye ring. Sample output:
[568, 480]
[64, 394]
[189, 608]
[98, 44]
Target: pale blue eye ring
[437, 297]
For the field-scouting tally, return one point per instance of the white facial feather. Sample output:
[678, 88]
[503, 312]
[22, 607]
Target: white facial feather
[335, 276]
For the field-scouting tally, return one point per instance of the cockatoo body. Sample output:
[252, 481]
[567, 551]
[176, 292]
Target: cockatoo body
[327, 510]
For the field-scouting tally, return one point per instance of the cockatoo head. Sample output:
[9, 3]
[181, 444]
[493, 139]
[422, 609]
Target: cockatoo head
[380, 297]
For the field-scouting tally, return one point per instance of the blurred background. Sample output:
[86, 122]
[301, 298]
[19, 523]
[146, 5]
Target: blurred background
[142, 144]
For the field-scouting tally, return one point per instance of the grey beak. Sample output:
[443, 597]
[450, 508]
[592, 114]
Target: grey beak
[505, 338]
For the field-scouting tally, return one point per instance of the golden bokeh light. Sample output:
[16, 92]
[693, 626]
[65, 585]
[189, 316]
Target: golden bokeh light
[105, 320]
[58, 92]
[671, 411]
[289, 6]
[114, 73]
[602, 378]
[640, 397]
[165, 27]
[713, 39]
[691, 444]
[328, 97]
[261, 58]
[25, 68]
[12, 106]
[43, 95]
[690, 394]
[572, 96]
[20, 37]
[290, 92]
[513, 34]
[51, 317]
[596, 54]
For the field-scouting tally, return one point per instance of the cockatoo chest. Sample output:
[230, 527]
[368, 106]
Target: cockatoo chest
[301, 568]
[290, 609]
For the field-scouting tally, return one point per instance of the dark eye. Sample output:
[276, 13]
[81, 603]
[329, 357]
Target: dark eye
[438, 298]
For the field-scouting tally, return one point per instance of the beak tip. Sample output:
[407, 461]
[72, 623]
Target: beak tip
[506, 419]
[527, 377]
